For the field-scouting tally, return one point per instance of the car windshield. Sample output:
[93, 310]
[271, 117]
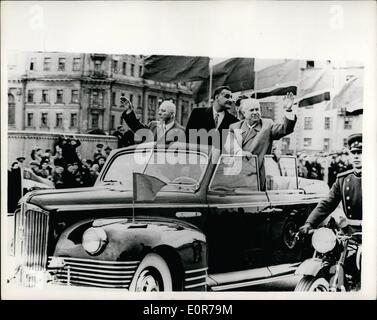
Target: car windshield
[172, 167]
[236, 174]
[177, 167]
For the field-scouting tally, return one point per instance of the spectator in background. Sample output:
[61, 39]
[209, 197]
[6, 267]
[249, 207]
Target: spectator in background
[101, 161]
[86, 178]
[57, 177]
[332, 171]
[107, 151]
[44, 169]
[21, 161]
[58, 157]
[34, 166]
[69, 178]
[94, 172]
[69, 146]
[99, 152]
[36, 155]
[302, 170]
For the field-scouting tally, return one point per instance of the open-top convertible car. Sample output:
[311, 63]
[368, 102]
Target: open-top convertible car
[163, 219]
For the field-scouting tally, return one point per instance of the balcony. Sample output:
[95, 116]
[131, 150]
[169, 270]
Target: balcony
[98, 74]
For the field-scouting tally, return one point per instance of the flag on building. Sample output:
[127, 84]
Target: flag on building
[236, 73]
[145, 187]
[351, 97]
[277, 80]
[315, 86]
[175, 68]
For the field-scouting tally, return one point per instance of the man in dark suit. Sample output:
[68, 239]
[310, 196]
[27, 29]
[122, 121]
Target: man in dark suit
[164, 131]
[215, 120]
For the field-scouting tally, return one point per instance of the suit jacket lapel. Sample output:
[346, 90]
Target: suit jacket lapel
[247, 133]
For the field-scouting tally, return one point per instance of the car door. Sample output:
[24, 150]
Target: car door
[237, 226]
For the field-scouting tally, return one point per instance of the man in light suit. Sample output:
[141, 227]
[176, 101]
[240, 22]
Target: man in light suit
[254, 135]
[164, 131]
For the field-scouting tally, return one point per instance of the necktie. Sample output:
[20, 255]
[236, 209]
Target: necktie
[216, 120]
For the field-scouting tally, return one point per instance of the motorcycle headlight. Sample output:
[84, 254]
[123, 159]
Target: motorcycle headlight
[94, 240]
[323, 240]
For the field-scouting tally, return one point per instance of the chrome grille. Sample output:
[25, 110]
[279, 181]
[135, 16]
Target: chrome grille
[31, 231]
[94, 273]
[196, 279]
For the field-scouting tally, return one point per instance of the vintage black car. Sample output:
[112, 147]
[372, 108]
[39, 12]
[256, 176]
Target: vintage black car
[193, 220]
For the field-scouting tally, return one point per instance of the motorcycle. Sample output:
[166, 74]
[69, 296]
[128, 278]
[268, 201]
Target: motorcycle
[336, 262]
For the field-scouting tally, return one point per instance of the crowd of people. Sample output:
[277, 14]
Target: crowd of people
[323, 166]
[65, 167]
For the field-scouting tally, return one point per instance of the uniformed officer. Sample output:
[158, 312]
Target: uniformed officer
[347, 188]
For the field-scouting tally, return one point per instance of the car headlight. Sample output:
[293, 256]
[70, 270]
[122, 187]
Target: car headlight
[94, 240]
[323, 240]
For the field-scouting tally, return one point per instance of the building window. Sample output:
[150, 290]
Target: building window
[30, 96]
[11, 110]
[73, 122]
[309, 64]
[345, 142]
[139, 101]
[132, 70]
[132, 99]
[140, 71]
[326, 144]
[112, 122]
[97, 65]
[96, 98]
[59, 96]
[152, 106]
[307, 142]
[30, 120]
[47, 64]
[75, 96]
[115, 66]
[33, 64]
[124, 68]
[76, 64]
[308, 123]
[327, 123]
[113, 98]
[285, 143]
[95, 120]
[44, 120]
[347, 123]
[59, 120]
[44, 96]
[61, 64]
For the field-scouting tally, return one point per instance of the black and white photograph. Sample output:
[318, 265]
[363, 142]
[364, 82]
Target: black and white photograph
[134, 166]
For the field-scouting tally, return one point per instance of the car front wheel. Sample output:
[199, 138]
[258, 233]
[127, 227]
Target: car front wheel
[313, 284]
[152, 275]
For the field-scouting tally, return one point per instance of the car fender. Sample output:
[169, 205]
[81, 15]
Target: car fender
[310, 267]
[131, 241]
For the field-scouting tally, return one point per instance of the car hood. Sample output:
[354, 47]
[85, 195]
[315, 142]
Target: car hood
[65, 199]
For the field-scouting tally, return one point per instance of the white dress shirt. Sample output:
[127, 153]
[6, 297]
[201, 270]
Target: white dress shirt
[220, 118]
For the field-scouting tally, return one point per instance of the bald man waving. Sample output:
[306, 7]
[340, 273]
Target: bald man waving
[254, 134]
[165, 130]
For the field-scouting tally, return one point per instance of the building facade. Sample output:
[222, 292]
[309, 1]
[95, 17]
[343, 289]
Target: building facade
[80, 93]
[319, 127]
